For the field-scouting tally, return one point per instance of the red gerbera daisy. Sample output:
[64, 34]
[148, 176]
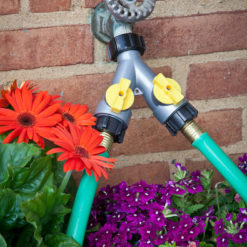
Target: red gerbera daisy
[31, 118]
[77, 114]
[4, 102]
[80, 146]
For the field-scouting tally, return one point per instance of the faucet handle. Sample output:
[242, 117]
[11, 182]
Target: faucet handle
[119, 96]
[130, 11]
[166, 90]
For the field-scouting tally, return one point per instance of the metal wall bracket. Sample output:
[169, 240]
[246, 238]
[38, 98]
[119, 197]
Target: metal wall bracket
[102, 23]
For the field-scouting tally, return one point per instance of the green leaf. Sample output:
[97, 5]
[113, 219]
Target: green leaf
[60, 240]
[10, 212]
[242, 204]
[17, 155]
[190, 210]
[29, 180]
[204, 244]
[206, 178]
[167, 244]
[23, 184]
[59, 173]
[26, 237]
[46, 212]
[178, 202]
[2, 241]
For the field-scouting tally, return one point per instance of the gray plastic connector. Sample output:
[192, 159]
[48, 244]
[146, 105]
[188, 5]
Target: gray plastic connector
[132, 67]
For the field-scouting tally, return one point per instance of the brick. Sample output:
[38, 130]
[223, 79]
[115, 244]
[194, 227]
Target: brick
[94, 3]
[54, 46]
[217, 79]
[49, 5]
[179, 36]
[84, 89]
[89, 89]
[202, 165]
[9, 7]
[149, 136]
[153, 173]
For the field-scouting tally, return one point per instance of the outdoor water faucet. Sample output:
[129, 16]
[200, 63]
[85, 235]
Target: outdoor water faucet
[112, 23]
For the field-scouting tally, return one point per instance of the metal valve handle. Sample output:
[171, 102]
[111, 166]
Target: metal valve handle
[130, 11]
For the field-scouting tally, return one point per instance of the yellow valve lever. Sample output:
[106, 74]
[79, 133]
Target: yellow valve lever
[119, 96]
[166, 90]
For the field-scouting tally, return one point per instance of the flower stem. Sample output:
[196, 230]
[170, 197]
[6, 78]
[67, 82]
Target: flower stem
[204, 233]
[65, 181]
[170, 215]
[217, 197]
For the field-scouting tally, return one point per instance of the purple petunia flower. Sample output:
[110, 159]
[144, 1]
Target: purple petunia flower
[229, 217]
[103, 237]
[127, 208]
[227, 190]
[223, 240]
[156, 215]
[240, 237]
[243, 163]
[144, 215]
[127, 229]
[219, 226]
[196, 175]
[146, 243]
[180, 167]
[242, 216]
[146, 195]
[172, 188]
[209, 213]
[160, 239]
[237, 198]
[147, 232]
[116, 217]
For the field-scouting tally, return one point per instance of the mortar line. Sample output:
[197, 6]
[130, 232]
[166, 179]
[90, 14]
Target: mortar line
[99, 52]
[105, 67]
[162, 10]
[244, 124]
[76, 5]
[178, 8]
[199, 58]
[55, 72]
[202, 106]
[29, 20]
[180, 73]
[180, 156]
[24, 8]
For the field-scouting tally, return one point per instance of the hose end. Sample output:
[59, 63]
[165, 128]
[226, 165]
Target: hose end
[192, 131]
[107, 140]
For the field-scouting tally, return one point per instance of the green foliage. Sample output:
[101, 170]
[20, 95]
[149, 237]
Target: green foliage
[10, 212]
[32, 209]
[16, 156]
[61, 240]
[167, 244]
[204, 244]
[2, 241]
[46, 212]
[193, 208]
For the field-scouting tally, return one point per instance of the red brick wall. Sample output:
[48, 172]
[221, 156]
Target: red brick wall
[203, 46]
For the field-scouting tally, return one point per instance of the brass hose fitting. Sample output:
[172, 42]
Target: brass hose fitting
[107, 140]
[192, 131]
